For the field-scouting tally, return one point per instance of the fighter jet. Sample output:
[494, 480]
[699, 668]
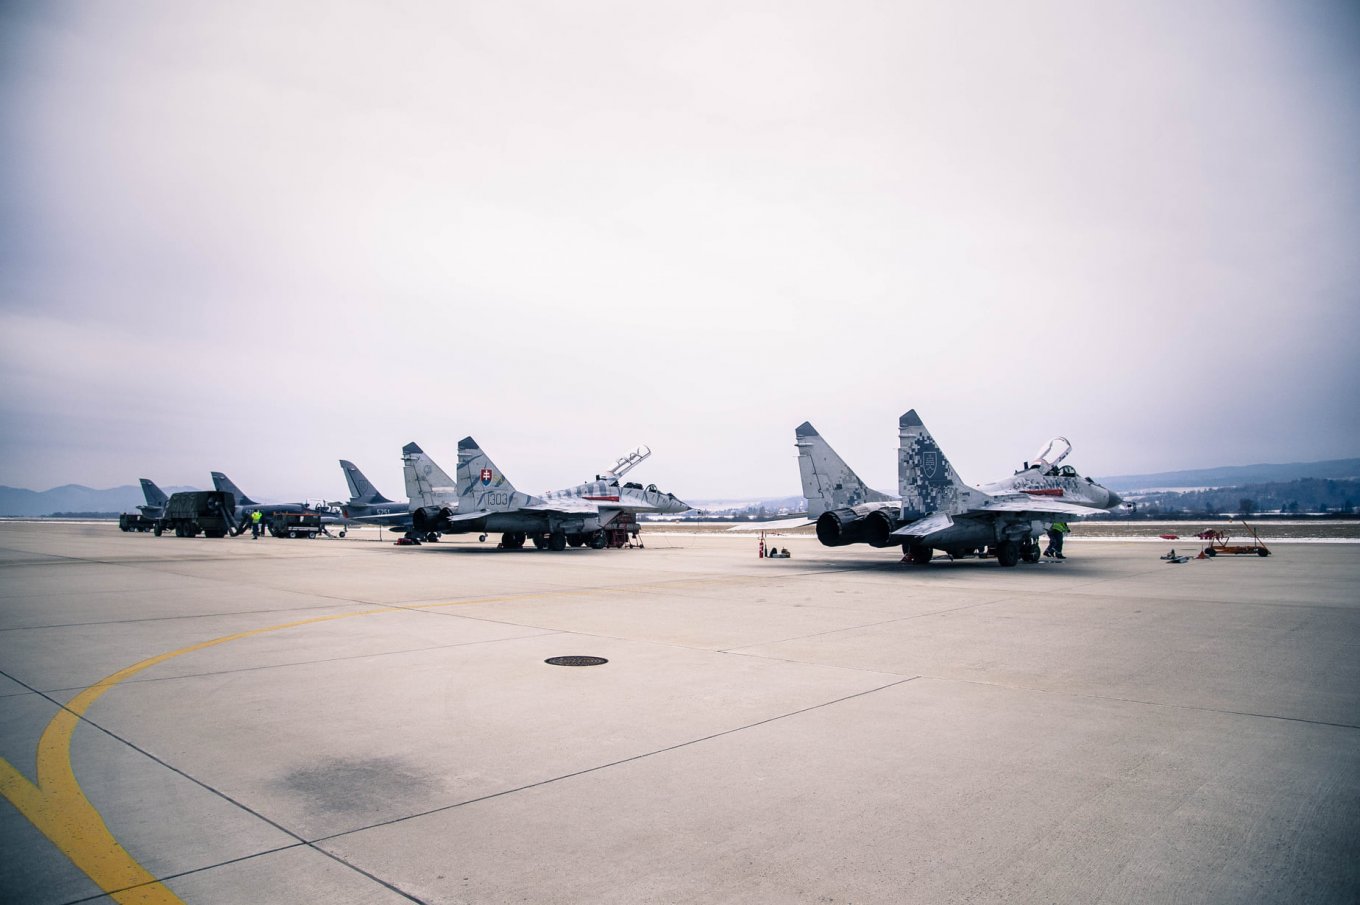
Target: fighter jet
[369, 507]
[155, 499]
[488, 502]
[245, 505]
[937, 511]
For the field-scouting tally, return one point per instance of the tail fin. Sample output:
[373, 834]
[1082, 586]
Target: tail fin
[155, 497]
[927, 481]
[224, 484]
[426, 483]
[360, 489]
[481, 485]
[828, 483]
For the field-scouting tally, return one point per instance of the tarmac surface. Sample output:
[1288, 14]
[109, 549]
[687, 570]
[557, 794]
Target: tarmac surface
[345, 721]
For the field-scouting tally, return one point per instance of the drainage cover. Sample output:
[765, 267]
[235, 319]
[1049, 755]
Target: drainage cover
[575, 661]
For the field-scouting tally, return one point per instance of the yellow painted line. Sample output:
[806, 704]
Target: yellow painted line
[58, 808]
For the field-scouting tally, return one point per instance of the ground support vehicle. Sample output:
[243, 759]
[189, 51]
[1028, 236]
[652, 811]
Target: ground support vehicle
[295, 524]
[193, 512]
[135, 521]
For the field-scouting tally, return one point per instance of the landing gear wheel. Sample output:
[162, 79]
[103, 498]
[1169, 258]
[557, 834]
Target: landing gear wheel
[1008, 553]
[575, 540]
[481, 538]
[540, 542]
[919, 554]
[557, 541]
[342, 532]
[1029, 551]
[598, 540]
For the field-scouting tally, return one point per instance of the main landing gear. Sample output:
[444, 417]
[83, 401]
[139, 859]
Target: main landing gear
[555, 541]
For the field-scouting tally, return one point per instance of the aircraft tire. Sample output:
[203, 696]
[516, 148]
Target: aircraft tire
[575, 540]
[1029, 552]
[919, 554]
[598, 540]
[540, 542]
[557, 541]
[1008, 553]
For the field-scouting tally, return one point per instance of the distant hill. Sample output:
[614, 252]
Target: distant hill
[1236, 475]
[15, 501]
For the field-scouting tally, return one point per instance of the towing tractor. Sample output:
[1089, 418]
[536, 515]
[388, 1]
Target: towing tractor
[295, 524]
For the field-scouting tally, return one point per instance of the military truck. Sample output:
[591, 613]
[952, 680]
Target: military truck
[191, 512]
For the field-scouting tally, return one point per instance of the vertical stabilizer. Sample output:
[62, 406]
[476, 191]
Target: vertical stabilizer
[155, 497]
[360, 489]
[426, 483]
[483, 486]
[927, 481]
[828, 483]
[224, 484]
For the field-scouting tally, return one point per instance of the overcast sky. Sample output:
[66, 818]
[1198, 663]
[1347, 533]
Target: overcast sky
[259, 237]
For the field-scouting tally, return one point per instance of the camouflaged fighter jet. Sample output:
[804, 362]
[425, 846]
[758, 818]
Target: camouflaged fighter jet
[936, 510]
[487, 502]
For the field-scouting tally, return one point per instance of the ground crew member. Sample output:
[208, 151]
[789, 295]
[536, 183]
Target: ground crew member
[1055, 540]
[255, 524]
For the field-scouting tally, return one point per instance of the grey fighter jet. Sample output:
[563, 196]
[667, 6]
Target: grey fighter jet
[245, 505]
[937, 511]
[367, 506]
[155, 499]
[488, 502]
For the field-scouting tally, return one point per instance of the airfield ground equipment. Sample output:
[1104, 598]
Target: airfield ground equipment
[295, 524]
[208, 512]
[135, 521]
[1219, 546]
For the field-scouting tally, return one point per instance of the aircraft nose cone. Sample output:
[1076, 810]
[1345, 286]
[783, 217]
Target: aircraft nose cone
[1115, 500]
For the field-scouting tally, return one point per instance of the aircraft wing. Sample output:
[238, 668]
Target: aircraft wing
[779, 525]
[572, 505]
[1039, 505]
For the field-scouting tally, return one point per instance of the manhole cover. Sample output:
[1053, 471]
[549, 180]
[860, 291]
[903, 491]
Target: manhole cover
[575, 661]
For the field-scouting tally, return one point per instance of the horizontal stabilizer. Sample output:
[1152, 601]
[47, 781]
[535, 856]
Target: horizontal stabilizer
[938, 521]
[467, 516]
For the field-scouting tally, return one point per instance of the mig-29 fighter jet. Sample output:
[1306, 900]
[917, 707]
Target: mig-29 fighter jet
[487, 502]
[937, 511]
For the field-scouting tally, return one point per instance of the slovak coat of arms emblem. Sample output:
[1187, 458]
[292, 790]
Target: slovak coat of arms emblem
[930, 461]
[486, 476]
